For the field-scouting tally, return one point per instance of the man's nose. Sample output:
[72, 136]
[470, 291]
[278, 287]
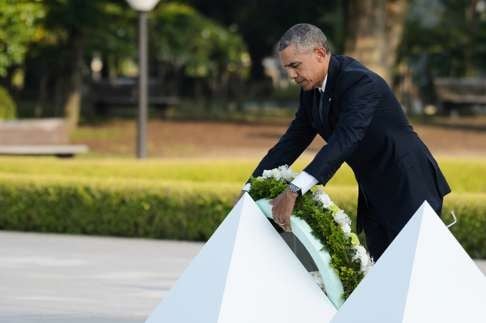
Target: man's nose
[292, 74]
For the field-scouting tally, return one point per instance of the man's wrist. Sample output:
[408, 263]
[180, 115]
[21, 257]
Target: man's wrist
[293, 194]
[305, 181]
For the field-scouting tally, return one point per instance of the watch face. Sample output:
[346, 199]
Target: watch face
[294, 188]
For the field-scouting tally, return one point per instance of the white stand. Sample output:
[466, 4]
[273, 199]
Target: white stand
[424, 276]
[245, 273]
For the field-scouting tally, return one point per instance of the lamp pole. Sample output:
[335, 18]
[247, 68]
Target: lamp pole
[143, 7]
[142, 86]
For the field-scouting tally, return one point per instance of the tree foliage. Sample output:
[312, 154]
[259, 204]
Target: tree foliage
[447, 37]
[18, 24]
[207, 45]
[262, 22]
[187, 40]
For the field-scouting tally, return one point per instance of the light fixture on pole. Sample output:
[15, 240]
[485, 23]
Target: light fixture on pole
[143, 7]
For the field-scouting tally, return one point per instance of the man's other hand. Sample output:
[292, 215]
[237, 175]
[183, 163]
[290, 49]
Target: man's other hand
[282, 207]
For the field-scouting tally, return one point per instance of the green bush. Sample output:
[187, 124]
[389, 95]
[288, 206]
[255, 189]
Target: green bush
[170, 210]
[8, 108]
[470, 229]
[118, 208]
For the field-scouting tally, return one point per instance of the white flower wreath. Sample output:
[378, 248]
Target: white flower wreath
[284, 172]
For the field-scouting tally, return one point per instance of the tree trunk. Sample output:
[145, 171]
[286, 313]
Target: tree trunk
[72, 108]
[472, 28]
[41, 100]
[374, 30]
[72, 105]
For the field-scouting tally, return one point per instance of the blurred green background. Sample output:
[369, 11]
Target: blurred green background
[218, 101]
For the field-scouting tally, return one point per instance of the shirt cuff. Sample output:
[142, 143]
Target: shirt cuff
[304, 181]
[246, 187]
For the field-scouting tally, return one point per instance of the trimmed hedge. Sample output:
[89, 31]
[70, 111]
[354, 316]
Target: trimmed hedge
[470, 229]
[170, 210]
[118, 208]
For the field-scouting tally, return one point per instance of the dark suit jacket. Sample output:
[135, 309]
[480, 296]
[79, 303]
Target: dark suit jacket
[364, 126]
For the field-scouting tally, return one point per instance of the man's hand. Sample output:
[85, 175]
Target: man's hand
[283, 205]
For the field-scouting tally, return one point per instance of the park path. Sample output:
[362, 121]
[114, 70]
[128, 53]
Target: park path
[67, 278]
[168, 139]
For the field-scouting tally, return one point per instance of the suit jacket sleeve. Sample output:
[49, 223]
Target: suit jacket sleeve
[296, 139]
[358, 106]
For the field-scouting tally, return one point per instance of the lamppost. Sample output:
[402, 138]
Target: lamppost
[143, 7]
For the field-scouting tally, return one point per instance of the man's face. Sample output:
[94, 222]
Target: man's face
[307, 67]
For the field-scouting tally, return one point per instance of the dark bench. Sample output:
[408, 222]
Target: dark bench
[122, 93]
[461, 93]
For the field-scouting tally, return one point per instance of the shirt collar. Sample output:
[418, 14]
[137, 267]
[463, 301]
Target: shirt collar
[323, 86]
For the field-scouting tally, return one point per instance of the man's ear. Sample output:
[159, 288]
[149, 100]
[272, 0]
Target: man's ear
[320, 54]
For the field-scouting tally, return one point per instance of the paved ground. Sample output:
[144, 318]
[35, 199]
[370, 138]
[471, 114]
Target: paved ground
[457, 137]
[65, 278]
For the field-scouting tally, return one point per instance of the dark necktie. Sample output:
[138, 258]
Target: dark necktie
[321, 97]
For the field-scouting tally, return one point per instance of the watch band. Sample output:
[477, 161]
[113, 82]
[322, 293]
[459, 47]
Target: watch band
[294, 188]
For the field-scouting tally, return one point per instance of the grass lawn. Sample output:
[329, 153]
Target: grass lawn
[463, 174]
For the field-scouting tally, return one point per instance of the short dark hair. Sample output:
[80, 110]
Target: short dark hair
[305, 36]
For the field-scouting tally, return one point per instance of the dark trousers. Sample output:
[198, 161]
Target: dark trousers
[379, 236]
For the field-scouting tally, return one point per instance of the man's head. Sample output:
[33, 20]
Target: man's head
[304, 52]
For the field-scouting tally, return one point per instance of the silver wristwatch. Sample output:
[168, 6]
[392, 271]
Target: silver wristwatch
[294, 188]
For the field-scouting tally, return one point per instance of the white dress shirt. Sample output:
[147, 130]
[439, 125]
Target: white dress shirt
[304, 180]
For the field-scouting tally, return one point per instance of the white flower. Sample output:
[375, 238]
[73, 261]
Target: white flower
[367, 268]
[279, 173]
[371, 262]
[360, 250]
[363, 257]
[342, 218]
[322, 197]
[267, 173]
[346, 228]
[286, 173]
[276, 174]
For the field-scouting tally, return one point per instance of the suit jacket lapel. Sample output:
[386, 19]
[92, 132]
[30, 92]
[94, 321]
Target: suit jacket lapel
[327, 97]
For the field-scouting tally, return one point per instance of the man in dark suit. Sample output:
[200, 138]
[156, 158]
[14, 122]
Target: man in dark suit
[363, 124]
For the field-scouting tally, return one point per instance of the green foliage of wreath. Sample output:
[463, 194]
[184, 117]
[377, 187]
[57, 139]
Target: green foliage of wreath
[323, 226]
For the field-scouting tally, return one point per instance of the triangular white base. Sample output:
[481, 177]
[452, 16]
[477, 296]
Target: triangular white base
[245, 273]
[424, 276]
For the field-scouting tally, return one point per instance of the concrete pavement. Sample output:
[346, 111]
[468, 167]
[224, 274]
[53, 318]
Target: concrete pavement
[67, 278]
